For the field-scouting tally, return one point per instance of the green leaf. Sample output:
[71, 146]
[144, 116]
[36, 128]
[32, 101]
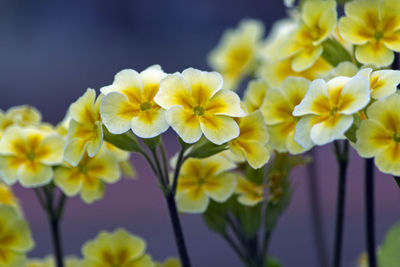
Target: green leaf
[351, 132]
[334, 53]
[126, 141]
[342, 2]
[255, 175]
[250, 219]
[152, 143]
[273, 262]
[214, 217]
[274, 210]
[389, 253]
[204, 149]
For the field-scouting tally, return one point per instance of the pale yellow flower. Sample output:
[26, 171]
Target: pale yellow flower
[196, 104]
[304, 44]
[250, 194]
[19, 115]
[88, 178]
[277, 110]
[251, 144]
[129, 103]
[382, 82]
[15, 238]
[254, 94]
[85, 131]
[374, 27]
[170, 262]
[27, 155]
[7, 196]
[236, 54]
[49, 262]
[202, 179]
[379, 135]
[119, 248]
[329, 108]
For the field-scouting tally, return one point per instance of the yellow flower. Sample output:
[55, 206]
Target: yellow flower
[329, 107]
[250, 194]
[201, 179]
[89, 176]
[15, 238]
[49, 262]
[382, 82]
[277, 110]
[85, 132]
[304, 44]
[170, 262]
[196, 104]
[28, 154]
[374, 27]
[252, 140]
[119, 248]
[235, 55]
[255, 94]
[129, 104]
[379, 135]
[19, 115]
[7, 196]
[346, 69]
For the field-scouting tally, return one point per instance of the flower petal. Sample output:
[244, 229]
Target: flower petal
[225, 102]
[354, 30]
[306, 58]
[392, 41]
[384, 83]
[316, 100]
[150, 123]
[219, 129]
[185, 123]
[127, 82]
[8, 169]
[96, 140]
[192, 201]
[69, 180]
[372, 137]
[34, 174]
[174, 91]
[51, 150]
[74, 151]
[387, 160]
[374, 53]
[302, 133]
[330, 129]
[355, 94]
[82, 109]
[221, 187]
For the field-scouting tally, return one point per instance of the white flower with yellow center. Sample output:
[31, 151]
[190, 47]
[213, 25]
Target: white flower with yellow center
[197, 104]
[27, 155]
[129, 104]
[328, 109]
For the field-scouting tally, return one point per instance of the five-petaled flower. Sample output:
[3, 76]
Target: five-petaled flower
[129, 103]
[379, 135]
[202, 179]
[28, 154]
[328, 109]
[119, 248]
[374, 27]
[250, 194]
[196, 104]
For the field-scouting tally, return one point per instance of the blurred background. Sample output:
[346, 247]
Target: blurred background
[51, 51]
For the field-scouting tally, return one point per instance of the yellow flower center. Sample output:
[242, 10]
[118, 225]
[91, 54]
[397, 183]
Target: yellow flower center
[396, 137]
[145, 106]
[83, 169]
[201, 181]
[333, 111]
[378, 35]
[30, 156]
[198, 110]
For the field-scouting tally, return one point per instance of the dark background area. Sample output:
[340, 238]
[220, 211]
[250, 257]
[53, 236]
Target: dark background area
[51, 51]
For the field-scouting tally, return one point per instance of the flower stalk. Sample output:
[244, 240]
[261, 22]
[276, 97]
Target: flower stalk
[370, 212]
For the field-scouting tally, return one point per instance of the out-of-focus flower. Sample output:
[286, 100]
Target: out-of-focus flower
[250, 194]
[7, 196]
[201, 179]
[28, 154]
[382, 82]
[329, 108]
[49, 262]
[346, 69]
[119, 248]
[251, 143]
[19, 115]
[170, 262]
[277, 110]
[85, 132]
[235, 55]
[304, 44]
[15, 238]
[374, 27]
[129, 103]
[123, 159]
[255, 94]
[196, 104]
[379, 135]
[89, 176]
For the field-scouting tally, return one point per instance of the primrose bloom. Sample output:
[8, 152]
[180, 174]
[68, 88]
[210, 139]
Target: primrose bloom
[196, 104]
[277, 109]
[19, 115]
[49, 262]
[202, 179]
[27, 155]
[304, 44]
[119, 248]
[374, 27]
[88, 178]
[129, 103]
[250, 194]
[379, 135]
[15, 238]
[382, 82]
[170, 262]
[235, 55]
[7, 196]
[85, 132]
[255, 94]
[328, 109]
[251, 144]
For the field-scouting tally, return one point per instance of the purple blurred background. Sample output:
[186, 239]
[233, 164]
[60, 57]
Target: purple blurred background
[51, 51]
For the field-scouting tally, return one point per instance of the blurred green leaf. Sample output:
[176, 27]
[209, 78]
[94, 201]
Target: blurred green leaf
[389, 253]
[274, 210]
[214, 217]
[126, 141]
[204, 148]
[250, 219]
[273, 262]
[255, 175]
[334, 53]
[152, 143]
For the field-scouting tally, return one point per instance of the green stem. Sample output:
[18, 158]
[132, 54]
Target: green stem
[342, 159]
[369, 212]
[165, 162]
[178, 166]
[235, 247]
[397, 180]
